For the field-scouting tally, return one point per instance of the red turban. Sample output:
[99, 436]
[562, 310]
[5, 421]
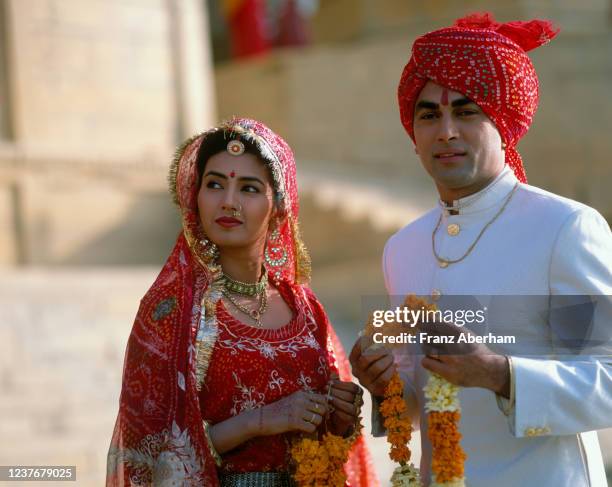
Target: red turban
[487, 62]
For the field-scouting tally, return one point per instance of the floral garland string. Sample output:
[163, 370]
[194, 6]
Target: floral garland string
[320, 462]
[399, 430]
[444, 414]
[395, 419]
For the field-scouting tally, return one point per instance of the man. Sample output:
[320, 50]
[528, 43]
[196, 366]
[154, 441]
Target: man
[466, 97]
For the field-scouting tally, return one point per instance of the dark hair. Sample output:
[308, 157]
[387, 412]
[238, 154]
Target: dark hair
[216, 143]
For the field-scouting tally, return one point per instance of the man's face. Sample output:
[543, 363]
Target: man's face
[458, 144]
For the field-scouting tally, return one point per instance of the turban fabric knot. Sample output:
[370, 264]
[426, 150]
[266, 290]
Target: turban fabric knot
[487, 62]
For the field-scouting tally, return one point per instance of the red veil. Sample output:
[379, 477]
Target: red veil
[159, 436]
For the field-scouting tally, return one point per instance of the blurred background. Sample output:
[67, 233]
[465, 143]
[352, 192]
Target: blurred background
[95, 95]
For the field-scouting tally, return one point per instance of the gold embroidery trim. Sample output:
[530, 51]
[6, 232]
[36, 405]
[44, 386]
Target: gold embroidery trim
[210, 445]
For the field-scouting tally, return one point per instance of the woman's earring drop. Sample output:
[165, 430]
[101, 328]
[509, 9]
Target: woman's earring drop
[275, 254]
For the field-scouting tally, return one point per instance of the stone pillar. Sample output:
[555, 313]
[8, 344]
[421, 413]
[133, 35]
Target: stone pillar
[192, 66]
[100, 95]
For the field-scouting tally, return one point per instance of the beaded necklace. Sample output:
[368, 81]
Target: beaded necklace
[258, 289]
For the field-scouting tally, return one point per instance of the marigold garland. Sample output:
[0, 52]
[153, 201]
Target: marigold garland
[320, 463]
[444, 414]
[447, 463]
[394, 412]
[399, 430]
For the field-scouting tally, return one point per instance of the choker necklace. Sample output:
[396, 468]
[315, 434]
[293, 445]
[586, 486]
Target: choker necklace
[442, 262]
[246, 288]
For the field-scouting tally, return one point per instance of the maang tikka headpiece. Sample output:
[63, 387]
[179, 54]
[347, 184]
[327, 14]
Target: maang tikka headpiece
[235, 148]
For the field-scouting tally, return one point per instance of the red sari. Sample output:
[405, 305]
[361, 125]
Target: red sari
[187, 359]
[252, 367]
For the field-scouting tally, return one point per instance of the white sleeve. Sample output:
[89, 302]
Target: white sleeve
[572, 394]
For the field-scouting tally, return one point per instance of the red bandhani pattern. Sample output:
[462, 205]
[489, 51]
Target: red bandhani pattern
[159, 435]
[253, 367]
[487, 62]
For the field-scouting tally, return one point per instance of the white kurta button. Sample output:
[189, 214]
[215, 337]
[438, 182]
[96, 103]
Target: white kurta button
[435, 294]
[453, 229]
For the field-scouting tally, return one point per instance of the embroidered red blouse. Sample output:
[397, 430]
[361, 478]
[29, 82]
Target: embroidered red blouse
[252, 367]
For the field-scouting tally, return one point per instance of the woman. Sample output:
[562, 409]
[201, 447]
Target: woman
[231, 357]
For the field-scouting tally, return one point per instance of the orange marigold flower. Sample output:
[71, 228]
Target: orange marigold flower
[395, 386]
[321, 463]
[447, 456]
[399, 426]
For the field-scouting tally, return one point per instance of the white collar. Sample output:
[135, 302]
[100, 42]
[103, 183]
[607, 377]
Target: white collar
[491, 195]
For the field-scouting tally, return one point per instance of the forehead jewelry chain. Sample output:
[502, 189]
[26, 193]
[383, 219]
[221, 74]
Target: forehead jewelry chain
[442, 262]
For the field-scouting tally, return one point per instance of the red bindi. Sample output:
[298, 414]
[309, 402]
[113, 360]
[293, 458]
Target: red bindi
[232, 174]
[444, 97]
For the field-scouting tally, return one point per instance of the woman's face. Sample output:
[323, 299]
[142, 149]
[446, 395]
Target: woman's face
[241, 186]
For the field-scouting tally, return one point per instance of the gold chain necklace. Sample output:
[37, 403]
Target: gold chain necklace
[442, 262]
[254, 314]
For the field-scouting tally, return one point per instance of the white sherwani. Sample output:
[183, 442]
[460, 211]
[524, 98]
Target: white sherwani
[541, 244]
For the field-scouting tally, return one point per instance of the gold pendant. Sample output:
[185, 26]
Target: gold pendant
[453, 229]
[443, 264]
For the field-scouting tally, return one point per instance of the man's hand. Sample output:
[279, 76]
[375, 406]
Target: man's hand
[465, 364]
[373, 367]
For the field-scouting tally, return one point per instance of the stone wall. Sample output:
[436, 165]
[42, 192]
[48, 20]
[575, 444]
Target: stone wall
[336, 105]
[338, 21]
[98, 94]
[92, 79]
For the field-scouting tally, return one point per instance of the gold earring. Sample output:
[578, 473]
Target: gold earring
[275, 254]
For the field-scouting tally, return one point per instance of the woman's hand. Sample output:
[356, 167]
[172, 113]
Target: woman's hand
[301, 411]
[346, 399]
